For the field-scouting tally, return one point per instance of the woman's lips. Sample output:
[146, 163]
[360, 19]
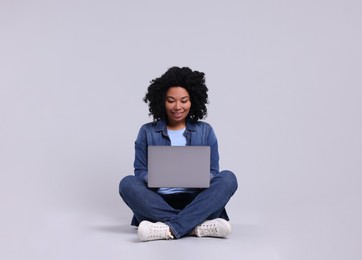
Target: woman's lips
[177, 114]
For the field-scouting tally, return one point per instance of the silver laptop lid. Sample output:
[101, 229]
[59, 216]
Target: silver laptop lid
[178, 166]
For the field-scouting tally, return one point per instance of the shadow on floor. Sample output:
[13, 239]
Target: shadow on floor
[119, 229]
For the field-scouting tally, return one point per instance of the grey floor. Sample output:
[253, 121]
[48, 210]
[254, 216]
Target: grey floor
[310, 231]
[72, 236]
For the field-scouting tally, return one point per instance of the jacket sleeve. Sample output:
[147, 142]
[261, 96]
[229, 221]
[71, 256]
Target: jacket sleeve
[214, 153]
[140, 161]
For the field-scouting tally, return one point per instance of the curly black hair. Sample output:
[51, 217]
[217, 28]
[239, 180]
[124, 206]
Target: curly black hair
[192, 81]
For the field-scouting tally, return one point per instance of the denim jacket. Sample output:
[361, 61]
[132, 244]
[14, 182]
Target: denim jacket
[155, 133]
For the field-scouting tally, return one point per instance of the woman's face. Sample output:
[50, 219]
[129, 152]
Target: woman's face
[178, 106]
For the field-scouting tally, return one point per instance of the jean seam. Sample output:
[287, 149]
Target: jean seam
[173, 230]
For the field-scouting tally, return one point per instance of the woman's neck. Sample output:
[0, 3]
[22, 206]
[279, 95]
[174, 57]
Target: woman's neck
[176, 126]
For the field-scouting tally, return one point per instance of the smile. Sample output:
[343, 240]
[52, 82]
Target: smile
[177, 114]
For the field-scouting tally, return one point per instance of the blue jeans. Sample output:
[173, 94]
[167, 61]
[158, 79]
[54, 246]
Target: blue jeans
[181, 212]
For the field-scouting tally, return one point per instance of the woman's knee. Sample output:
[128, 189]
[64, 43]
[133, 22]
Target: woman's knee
[127, 184]
[229, 179]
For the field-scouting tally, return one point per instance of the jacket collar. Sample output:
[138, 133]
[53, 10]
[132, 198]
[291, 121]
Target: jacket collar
[162, 126]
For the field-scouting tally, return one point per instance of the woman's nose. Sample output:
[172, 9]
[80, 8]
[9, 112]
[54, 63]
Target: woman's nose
[177, 105]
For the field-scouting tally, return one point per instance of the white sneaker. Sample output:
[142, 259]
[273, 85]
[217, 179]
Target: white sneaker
[153, 231]
[217, 227]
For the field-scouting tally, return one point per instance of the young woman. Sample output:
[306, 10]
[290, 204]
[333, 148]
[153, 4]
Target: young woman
[177, 101]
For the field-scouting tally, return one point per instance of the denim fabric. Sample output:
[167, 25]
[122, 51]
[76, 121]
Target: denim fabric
[155, 133]
[181, 212]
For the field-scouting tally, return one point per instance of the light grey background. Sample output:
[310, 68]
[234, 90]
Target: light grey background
[285, 102]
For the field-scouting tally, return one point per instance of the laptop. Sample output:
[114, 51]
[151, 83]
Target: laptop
[178, 166]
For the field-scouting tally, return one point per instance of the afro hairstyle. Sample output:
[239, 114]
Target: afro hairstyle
[192, 81]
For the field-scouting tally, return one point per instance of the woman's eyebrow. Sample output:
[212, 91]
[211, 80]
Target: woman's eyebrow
[171, 97]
